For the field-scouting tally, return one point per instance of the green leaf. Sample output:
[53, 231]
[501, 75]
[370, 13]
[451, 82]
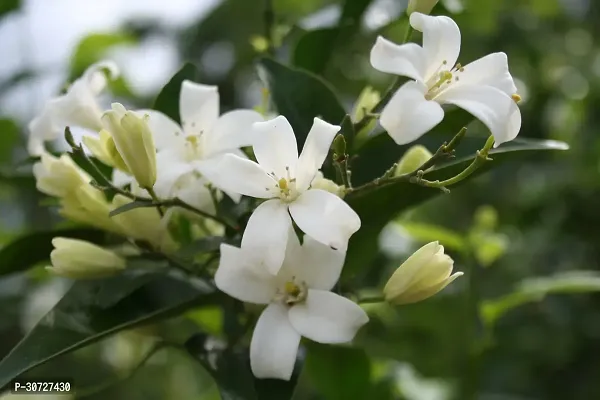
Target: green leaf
[381, 205]
[92, 310]
[339, 373]
[301, 96]
[131, 206]
[536, 289]
[167, 100]
[93, 48]
[233, 375]
[28, 250]
[7, 6]
[9, 137]
[203, 245]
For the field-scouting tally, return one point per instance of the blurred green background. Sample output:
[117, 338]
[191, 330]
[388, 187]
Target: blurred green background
[535, 217]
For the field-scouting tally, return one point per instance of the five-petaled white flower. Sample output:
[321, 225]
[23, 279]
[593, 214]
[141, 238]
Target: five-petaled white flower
[78, 107]
[183, 151]
[299, 300]
[484, 87]
[284, 178]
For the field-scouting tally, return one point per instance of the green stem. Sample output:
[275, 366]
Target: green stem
[155, 199]
[372, 299]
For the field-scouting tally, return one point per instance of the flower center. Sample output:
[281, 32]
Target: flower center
[193, 146]
[442, 79]
[285, 188]
[292, 293]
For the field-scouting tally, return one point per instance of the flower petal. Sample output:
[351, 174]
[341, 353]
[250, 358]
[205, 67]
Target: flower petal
[318, 265]
[238, 277]
[490, 105]
[198, 107]
[274, 345]
[266, 234]
[326, 317]
[441, 41]
[42, 128]
[325, 217]
[166, 132]
[78, 106]
[98, 74]
[314, 152]
[408, 115]
[234, 174]
[491, 70]
[231, 131]
[404, 60]
[275, 146]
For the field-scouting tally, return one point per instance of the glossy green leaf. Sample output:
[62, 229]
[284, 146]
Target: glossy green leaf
[167, 100]
[339, 373]
[203, 245]
[376, 208]
[536, 289]
[92, 310]
[301, 96]
[93, 48]
[28, 250]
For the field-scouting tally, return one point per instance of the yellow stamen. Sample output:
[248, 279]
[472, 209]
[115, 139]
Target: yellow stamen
[283, 185]
[292, 289]
[516, 98]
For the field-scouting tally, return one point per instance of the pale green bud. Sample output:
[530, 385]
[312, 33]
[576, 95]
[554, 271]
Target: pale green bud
[420, 6]
[367, 99]
[412, 159]
[104, 149]
[58, 176]
[320, 182]
[73, 258]
[422, 275]
[134, 142]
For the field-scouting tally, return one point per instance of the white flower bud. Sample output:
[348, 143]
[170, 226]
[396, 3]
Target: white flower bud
[134, 142]
[412, 159]
[58, 176]
[320, 182]
[420, 6]
[88, 205]
[422, 275]
[104, 149]
[78, 259]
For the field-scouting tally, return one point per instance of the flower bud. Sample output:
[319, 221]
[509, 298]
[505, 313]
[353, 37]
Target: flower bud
[104, 149]
[58, 176]
[320, 182]
[134, 142]
[412, 159]
[425, 273]
[420, 6]
[73, 258]
[367, 99]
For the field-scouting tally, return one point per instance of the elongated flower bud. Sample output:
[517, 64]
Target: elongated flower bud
[320, 182]
[422, 275]
[104, 149]
[78, 259]
[58, 176]
[421, 6]
[134, 142]
[412, 159]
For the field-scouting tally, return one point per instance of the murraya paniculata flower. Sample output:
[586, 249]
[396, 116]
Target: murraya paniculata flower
[299, 301]
[484, 87]
[74, 258]
[58, 176]
[283, 179]
[78, 107]
[422, 275]
[185, 150]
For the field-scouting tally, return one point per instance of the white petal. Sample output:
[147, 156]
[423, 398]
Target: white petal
[198, 107]
[314, 152]
[490, 105]
[441, 41]
[275, 146]
[326, 317]
[325, 217]
[170, 166]
[404, 60]
[96, 75]
[266, 234]
[408, 115]
[239, 278]
[491, 70]
[42, 128]
[274, 345]
[231, 131]
[78, 106]
[236, 175]
[165, 131]
[318, 265]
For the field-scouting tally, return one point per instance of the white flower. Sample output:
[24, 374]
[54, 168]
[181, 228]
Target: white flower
[283, 177]
[58, 176]
[299, 300]
[484, 87]
[78, 107]
[202, 136]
